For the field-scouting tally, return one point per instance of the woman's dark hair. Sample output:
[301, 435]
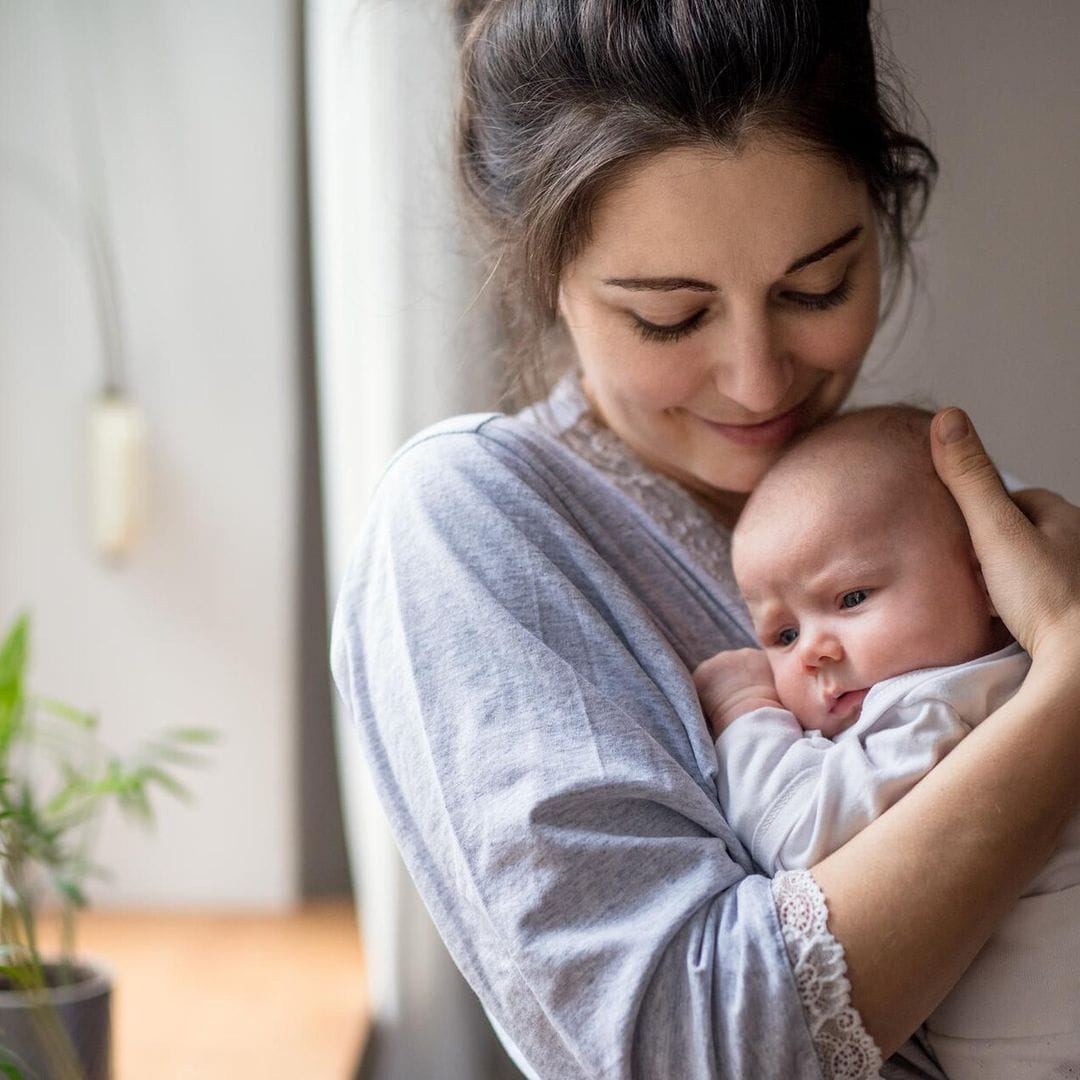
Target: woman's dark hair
[560, 97]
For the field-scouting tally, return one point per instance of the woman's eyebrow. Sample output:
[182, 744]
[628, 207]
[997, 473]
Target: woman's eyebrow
[660, 284]
[675, 284]
[824, 252]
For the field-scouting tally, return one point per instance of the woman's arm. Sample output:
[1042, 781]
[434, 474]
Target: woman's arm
[541, 757]
[915, 895]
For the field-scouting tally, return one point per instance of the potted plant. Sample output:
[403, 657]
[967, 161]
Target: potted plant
[56, 778]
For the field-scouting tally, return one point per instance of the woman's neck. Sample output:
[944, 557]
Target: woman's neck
[724, 506]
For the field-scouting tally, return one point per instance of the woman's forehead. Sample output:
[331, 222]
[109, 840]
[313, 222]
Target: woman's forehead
[710, 214]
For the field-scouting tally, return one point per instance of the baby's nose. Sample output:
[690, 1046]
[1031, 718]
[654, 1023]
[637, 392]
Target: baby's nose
[820, 647]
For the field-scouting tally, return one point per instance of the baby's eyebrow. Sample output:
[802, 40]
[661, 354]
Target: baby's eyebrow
[848, 571]
[762, 612]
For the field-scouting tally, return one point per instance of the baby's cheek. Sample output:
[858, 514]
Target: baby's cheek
[789, 686]
[886, 644]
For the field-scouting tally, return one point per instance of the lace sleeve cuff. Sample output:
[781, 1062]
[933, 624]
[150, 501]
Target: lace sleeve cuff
[844, 1047]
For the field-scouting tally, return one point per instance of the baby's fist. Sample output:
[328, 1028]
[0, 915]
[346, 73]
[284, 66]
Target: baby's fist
[733, 683]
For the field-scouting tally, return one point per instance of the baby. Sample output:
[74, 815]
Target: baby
[880, 649]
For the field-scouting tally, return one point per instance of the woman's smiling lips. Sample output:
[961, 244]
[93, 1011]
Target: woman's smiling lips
[768, 433]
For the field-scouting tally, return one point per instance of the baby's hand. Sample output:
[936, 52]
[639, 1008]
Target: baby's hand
[731, 684]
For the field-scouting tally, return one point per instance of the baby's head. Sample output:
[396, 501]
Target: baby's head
[856, 565]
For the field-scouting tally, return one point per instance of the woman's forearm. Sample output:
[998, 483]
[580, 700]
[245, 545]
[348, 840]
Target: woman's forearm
[914, 896]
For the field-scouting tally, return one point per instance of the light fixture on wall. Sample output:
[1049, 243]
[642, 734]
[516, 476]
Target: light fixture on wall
[118, 475]
[116, 428]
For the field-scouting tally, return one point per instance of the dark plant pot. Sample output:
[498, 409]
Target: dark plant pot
[82, 1009]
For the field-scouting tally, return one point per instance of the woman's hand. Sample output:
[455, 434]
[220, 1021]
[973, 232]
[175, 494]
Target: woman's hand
[909, 919]
[1028, 546]
[733, 683]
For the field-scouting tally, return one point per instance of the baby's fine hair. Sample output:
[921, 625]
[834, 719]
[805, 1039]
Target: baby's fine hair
[890, 441]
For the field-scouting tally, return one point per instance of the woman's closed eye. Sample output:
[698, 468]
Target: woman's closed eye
[809, 301]
[821, 301]
[651, 331]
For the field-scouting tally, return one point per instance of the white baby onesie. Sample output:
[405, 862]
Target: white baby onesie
[794, 796]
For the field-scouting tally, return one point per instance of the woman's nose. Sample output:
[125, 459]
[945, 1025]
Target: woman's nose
[753, 368]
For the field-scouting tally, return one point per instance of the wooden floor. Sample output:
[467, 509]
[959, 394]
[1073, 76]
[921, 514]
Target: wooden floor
[232, 997]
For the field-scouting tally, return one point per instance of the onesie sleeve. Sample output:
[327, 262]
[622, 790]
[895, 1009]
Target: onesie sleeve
[543, 763]
[794, 796]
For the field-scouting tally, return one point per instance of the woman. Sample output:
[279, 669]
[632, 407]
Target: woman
[694, 201]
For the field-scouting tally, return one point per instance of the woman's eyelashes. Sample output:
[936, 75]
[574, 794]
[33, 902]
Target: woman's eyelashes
[822, 301]
[651, 331]
[660, 332]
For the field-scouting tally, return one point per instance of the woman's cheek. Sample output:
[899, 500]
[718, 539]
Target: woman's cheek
[658, 377]
[839, 344]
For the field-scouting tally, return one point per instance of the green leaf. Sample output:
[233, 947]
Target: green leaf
[70, 890]
[134, 803]
[56, 777]
[14, 651]
[23, 976]
[154, 774]
[85, 720]
[13, 654]
[203, 736]
[176, 756]
[10, 1071]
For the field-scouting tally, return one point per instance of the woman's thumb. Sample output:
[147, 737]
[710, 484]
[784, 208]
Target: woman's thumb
[967, 471]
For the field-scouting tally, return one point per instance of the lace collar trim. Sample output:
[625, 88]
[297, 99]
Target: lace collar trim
[665, 501]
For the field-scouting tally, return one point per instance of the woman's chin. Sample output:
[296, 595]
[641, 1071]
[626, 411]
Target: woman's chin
[738, 479]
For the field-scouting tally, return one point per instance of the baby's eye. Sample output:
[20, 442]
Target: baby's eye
[787, 635]
[853, 598]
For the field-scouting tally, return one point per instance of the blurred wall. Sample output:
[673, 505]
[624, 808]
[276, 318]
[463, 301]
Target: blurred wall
[198, 110]
[995, 325]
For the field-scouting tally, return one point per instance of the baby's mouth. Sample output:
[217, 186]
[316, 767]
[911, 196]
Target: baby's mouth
[847, 702]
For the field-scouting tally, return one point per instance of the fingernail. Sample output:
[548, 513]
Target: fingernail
[952, 426]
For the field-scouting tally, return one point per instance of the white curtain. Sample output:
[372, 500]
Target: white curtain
[397, 336]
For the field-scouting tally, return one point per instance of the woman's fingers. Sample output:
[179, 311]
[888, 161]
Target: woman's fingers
[1029, 549]
[1043, 507]
[999, 531]
[1057, 522]
[967, 471]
